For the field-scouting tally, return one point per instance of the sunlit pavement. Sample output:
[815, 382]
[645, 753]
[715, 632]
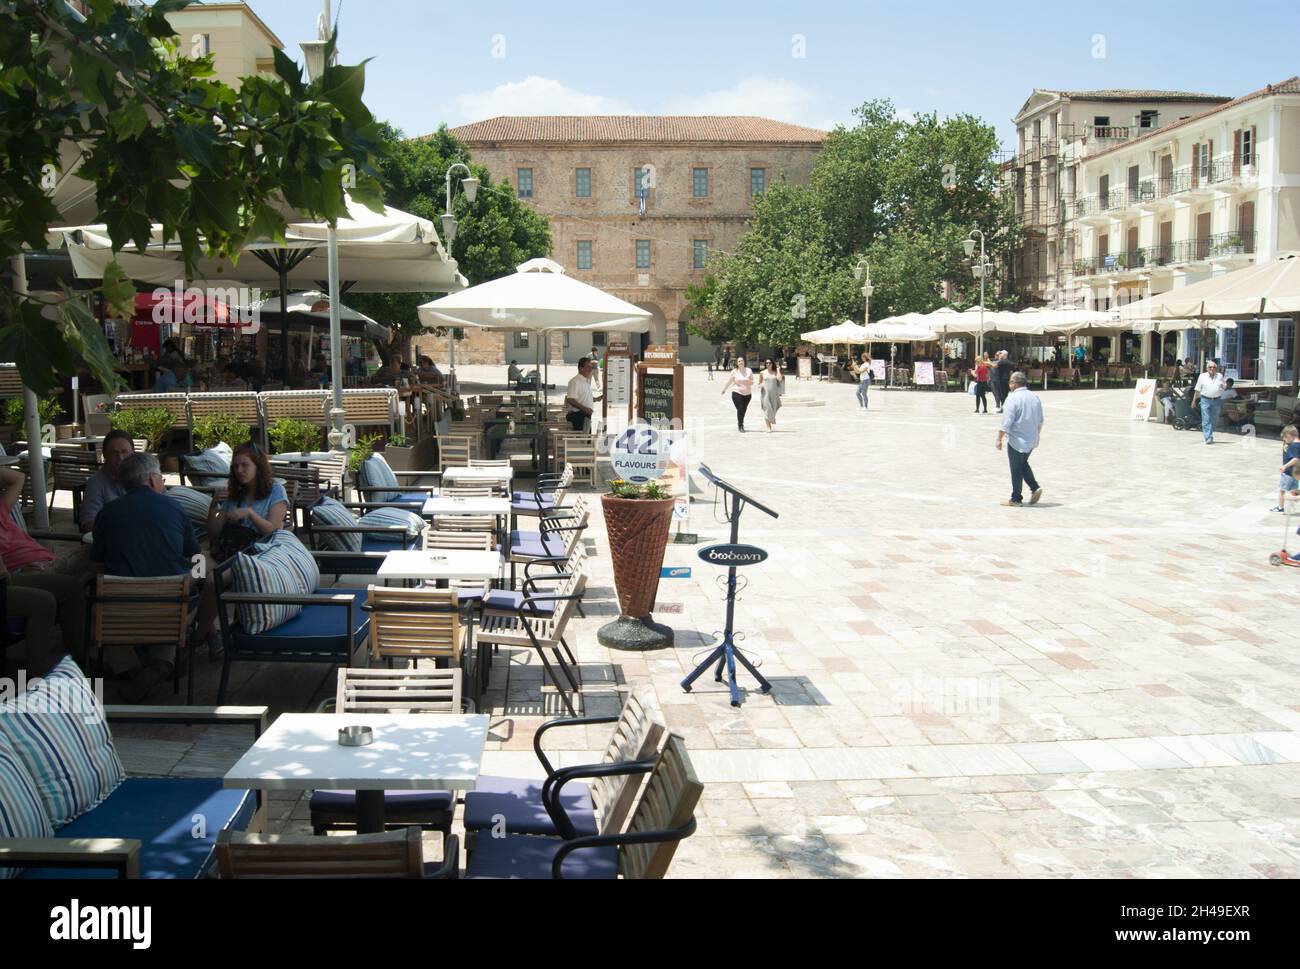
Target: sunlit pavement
[1100, 685]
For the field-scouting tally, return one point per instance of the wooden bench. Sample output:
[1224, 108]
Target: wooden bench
[242, 406]
[373, 407]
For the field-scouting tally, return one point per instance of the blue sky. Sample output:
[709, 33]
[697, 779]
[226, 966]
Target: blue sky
[459, 62]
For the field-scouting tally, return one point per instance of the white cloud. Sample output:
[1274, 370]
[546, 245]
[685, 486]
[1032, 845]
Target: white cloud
[536, 95]
[766, 97]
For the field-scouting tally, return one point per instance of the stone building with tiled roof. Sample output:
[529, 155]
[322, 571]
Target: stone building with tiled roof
[637, 203]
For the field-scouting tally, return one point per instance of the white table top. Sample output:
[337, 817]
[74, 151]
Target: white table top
[92, 439]
[300, 457]
[478, 474]
[448, 563]
[466, 506]
[413, 751]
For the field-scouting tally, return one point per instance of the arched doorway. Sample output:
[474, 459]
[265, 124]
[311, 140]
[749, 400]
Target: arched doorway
[658, 332]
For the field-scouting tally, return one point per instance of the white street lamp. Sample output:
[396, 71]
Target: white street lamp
[982, 271]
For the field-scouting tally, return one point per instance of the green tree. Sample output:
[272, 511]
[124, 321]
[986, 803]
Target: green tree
[163, 142]
[902, 194]
[495, 234]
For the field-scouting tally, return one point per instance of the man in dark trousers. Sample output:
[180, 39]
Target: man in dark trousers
[1001, 379]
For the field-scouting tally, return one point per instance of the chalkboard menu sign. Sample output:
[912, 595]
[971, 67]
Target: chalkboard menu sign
[660, 399]
[657, 389]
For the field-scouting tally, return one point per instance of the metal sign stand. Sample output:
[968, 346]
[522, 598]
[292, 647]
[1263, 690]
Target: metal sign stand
[726, 655]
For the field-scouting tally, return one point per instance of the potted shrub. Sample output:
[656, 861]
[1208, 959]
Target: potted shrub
[291, 436]
[1234, 245]
[151, 424]
[219, 429]
[364, 447]
[637, 521]
[403, 455]
[49, 411]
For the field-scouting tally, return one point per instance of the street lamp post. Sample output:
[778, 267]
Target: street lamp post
[449, 226]
[982, 272]
[863, 268]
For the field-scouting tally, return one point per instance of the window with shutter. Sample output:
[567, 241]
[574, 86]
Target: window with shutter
[1246, 226]
[1236, 152]
[1196, 165]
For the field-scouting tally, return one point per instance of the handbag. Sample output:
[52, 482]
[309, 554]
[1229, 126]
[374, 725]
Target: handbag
[973, 388]
[234, 538]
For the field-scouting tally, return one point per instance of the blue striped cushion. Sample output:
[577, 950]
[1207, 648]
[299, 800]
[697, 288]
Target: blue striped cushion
[395, 516]
[329, 512]
[196, 505]
[375, 473]
[22, 814]
[215, 462]
[281, 565]
[58, 729]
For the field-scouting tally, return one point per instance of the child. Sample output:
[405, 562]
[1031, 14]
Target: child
[1290, 464]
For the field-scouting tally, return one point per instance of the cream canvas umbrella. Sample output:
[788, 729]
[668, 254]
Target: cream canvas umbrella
[538, 297]
[1266, 290]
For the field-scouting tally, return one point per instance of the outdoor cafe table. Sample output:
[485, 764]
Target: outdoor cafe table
[447, 505]
[440, 564]
[411, 752]
[90, 442]
[478, 476]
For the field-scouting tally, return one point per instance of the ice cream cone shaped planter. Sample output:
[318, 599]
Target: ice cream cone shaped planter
[637, 525]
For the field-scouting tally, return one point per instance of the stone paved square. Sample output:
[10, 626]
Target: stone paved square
[1098, 686]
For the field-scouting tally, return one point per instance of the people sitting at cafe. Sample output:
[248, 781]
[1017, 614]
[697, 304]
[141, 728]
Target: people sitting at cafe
[143, 534]
[229, 380]
[105, 485]
[386, 375]
[251, 507]
[514, 374]
[33, 587]
[168, 379]
[1229, 390]
[1165, 394]
[429, 372]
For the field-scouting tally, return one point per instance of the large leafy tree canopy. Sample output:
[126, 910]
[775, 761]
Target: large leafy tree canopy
[163, 142]
[902, 194]
[496, 233]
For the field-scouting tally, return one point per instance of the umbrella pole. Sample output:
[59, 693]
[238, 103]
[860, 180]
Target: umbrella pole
[336, 343]
[1295, 354]
[32, 418]
[284, 320]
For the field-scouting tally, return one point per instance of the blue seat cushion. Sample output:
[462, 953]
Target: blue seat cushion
[534, 545]
[525, 856]
[318, 623]
[387, 543]
[522, 502]
[159, 812]
[508, 601]
[519, 801]
[411, 498]
[399, 806]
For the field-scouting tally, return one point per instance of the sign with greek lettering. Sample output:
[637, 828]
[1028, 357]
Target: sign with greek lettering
[729, 555]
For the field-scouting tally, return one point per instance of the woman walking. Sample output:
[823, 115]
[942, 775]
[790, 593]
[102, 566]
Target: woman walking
[742, 378]
[980, 375]
[771, 385]
[863, 373]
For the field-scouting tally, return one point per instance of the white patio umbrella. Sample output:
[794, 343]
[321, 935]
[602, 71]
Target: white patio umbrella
[309, 309]
[538, 297]
[1268, 289]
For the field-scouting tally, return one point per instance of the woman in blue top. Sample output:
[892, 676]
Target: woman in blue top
[253, 499]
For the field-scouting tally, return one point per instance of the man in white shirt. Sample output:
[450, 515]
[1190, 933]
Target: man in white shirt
[1209, 391]
[579, 403]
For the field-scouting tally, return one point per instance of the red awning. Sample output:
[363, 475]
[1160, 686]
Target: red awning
[191, 307]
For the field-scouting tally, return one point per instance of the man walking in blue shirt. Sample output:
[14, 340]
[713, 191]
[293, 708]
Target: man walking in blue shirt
[1022, 423]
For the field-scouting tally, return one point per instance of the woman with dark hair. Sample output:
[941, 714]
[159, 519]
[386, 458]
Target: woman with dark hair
[771, 384]
[253, 506]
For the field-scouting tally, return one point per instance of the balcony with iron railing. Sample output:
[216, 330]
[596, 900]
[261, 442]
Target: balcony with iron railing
[1222, 246]
[1220, 174]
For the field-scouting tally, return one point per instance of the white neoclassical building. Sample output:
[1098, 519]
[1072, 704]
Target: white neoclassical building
[1193, 199]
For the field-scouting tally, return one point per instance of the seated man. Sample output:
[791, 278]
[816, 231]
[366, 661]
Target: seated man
[106, 483]
[1165, 394]
[514, 374]
[144, 534]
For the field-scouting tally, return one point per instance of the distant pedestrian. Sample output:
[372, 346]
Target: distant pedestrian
[771, 385]
[1022, 426]
[864, 376]
[979, 375]
[1002, 379]
[726, 359]
[1209, 391]
[742, 378]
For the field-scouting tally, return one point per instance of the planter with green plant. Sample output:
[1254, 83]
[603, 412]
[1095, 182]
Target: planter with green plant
[637, 522]
[289, 435]
[216, 429]
[151, 425]
[1234, 245]
[48, 410]
[362, 450]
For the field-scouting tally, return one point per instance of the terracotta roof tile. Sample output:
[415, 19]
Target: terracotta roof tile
[646, 129]
[1138, 94]
[1290, 86]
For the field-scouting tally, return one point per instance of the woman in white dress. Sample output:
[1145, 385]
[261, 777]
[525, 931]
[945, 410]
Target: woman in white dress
[742, 378]
[771, 385]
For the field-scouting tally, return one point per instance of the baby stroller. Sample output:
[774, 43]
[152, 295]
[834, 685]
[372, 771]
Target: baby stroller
[1186, 417]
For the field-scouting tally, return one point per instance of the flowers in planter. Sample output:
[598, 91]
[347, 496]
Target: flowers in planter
[619, 488]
